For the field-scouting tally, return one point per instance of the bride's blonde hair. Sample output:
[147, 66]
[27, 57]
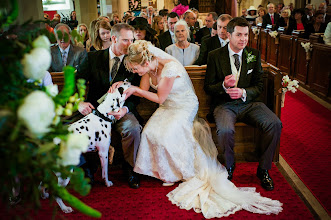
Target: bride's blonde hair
[138, 53]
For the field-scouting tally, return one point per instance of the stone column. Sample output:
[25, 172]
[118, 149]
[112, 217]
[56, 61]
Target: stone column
[32, 9]
[86, 11]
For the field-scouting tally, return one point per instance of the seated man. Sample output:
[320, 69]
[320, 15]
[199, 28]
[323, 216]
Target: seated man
[167, 38]
[271, 17]
[234, 81]
[102, 69]
[220, 40]
[206, 31]
[64, 53]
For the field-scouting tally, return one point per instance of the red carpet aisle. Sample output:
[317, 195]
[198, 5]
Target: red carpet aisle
[150, 201]
[305, 143]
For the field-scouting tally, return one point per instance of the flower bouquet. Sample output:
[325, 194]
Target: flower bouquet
[274, 34]
[35, 143]
[288, 85]
[308, 48]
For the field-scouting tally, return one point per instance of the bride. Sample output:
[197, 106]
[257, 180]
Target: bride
[177, 146]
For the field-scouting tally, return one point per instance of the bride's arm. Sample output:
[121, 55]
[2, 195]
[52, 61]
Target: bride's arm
[163, 90]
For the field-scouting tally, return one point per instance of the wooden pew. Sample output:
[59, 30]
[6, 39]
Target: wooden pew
[272, 49]
[285, 52]
[263, 43]
[246, 137]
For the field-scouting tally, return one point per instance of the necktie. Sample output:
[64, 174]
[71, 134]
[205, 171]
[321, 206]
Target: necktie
[114, 69]
[64, 58]
[236, 61]
[272, 19]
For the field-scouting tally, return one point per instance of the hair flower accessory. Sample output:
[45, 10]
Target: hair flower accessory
[180, 9]
[250, 57]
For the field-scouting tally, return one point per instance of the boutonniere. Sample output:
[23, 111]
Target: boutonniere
[250, 57]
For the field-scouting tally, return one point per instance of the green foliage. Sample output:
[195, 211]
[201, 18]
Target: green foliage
[28, 160]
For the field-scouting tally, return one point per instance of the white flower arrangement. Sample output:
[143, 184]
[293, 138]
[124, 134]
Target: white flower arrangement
[307, 46]
[36, 63]
[71, 150]
[37, 112]
[289, 85]
[273, 34]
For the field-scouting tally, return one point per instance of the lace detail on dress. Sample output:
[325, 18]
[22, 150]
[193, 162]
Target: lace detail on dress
[172, 69]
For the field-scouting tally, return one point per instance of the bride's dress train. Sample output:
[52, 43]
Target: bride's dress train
[175, 145]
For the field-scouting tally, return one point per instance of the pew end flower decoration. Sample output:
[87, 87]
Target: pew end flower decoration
[288, 85]
[274, 34]
[35, 142]
[308, 47]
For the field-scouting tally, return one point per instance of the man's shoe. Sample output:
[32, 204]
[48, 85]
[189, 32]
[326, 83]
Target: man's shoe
[266, 181]
[230, 171]
[134, 181]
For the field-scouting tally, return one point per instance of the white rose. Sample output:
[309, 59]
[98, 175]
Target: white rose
[37, 112]
[41, 42]
[52, 90]
[36, 63]
[70, 151]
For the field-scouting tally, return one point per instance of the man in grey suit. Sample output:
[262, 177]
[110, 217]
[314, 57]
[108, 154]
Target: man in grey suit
[234, 80]
[64, 53]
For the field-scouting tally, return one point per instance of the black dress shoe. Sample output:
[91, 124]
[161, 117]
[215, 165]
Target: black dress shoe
[266, 181]
[134, 181]
[230, 171]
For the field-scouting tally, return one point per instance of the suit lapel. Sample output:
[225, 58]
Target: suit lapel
[105, 67]
[58, 58]
[225, 61]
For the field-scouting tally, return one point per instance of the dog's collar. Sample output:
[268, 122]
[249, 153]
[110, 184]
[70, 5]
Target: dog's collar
[97, 113]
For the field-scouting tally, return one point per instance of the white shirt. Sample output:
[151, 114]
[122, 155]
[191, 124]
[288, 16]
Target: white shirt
[234, 70]
[172, 35]
[223, 42]
[66, 50]
[112, 62]
[111, 59]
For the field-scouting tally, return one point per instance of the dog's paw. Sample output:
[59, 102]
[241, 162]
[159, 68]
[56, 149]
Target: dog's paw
[67, 209]
[109, 183]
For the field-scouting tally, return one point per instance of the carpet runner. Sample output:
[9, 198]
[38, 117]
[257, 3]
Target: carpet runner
[150, 201]
[305, 143]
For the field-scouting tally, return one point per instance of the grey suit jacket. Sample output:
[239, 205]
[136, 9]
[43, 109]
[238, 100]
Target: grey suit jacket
[75, 57]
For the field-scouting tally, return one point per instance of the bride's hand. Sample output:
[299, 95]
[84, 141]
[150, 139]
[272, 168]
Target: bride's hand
[115, 86]
[130, 91]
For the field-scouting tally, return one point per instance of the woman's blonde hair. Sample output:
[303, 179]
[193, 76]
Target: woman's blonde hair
[138, 53]
[92, 31]
[155, 26]
[261, 9]
[97, 41]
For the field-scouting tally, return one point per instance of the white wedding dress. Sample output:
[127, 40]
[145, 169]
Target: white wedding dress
[176, 145]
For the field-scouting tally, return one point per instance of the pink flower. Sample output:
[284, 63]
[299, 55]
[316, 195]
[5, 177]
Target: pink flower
[180, 9]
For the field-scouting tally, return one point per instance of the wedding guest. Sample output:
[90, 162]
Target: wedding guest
[280, 7]
[220, 40]
[177, 146]
[150, 14]
[115, 19]
[299, 23]
[158, 25]
[83, 31]
[190, 18]
[184, 51]
[101, 69]
[168, 37]
[164, 14]
[326, 17]
[252, 15]
[64, 53]
[198, 24]
[206, 31]
[261, 12]
[309, 11]
[235, 84]
[105, 18]
[143, 15]
[244, 12]
[102, 39]
[271, 18]
[142, 30]
[285, 20]
[317, 25]
[73, 23]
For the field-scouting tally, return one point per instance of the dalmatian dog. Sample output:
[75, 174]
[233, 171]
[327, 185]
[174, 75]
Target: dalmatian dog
[97, 126]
